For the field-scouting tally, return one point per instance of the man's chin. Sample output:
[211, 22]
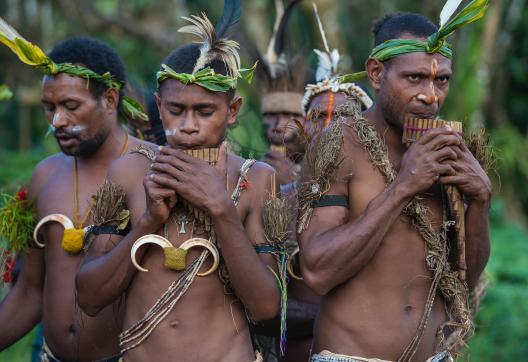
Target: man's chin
[71, 151]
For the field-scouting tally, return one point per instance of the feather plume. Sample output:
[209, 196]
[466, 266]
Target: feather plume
[271, 55]
[321, 29]
[275, 61]
[230, 18]
[328, 61]
[215, 46]
[281, 31]
[448, 10]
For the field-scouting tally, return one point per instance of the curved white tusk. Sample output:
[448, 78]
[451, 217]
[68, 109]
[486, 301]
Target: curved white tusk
[191, 243]
[61, 219]
[147, 239]
[289, 266]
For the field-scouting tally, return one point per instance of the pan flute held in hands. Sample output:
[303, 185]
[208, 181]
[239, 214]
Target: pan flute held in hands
[413, 129]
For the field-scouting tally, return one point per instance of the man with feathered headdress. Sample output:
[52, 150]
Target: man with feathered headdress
[321, 99]
[202, 206]
[381, 227]
[82, 94]
[281, 80]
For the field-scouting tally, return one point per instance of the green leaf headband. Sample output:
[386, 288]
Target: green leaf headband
[206, 78]
[436, 43]
[32, 55]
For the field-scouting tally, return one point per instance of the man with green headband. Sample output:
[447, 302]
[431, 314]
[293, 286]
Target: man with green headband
[202, 208]
[387, 261]
[82, 99]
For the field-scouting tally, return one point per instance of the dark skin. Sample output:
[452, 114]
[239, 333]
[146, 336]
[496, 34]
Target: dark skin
[196, 118]
[303, 303]
[45, 289]
[318, 111]
[282, 130]
[368, 260]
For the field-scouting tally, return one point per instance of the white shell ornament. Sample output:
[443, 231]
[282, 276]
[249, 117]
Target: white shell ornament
[61, 219]
[165, 244]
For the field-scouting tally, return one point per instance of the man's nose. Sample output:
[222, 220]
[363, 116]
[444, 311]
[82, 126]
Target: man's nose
[59, 119]
[428, 95]
[189, 125]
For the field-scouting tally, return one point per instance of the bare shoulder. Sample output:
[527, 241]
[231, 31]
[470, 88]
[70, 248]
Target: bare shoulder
[357, 133]
[43, 170]
[260, 175]
[130, 169]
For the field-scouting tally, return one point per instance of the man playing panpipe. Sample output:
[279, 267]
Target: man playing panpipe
[207, 272]
[382, 249]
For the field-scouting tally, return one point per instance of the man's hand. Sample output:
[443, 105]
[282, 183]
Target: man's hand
[469, 176]
[160, 201]
[282, 165]
[426, 160]
[203, 185]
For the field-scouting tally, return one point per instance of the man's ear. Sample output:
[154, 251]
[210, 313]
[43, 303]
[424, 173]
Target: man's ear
[110, 100]
[234, 109]
[157, 98]
[375, 70]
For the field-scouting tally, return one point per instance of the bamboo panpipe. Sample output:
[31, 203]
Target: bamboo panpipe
[205, 154]
[413, 129]
[280, 149]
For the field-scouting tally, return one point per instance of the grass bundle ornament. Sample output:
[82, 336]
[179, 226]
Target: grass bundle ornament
[322, 159]
[277, 216]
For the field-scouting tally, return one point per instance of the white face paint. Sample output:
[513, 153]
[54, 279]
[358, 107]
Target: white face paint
[56, 118]
[170, 132]
[78, 128]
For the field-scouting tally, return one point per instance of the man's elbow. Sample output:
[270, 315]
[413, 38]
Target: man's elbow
[316, 281]
[267, 308]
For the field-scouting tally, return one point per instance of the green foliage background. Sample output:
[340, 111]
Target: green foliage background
[488, 89]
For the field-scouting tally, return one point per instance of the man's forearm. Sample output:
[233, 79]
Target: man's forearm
[20, 311]
[251, 278]
[103, 279]
[334, 256]
[477, 240]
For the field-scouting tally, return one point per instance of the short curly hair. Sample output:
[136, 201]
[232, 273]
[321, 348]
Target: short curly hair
[392, 26]
[94, 55]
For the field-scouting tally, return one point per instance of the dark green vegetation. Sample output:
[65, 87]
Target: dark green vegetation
[488, 89]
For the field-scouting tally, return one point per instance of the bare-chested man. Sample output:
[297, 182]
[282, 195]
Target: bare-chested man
[84, 117]
[366, 256]
[203, 318]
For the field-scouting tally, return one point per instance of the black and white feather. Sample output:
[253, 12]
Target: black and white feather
[215, 42]
[328, 60]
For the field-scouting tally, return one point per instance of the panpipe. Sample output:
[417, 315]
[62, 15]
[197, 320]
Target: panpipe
[413, 129]
[279, 149]
[209, 155]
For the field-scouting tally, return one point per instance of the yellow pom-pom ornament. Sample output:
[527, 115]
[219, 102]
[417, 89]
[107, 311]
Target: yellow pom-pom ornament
[73, 240]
